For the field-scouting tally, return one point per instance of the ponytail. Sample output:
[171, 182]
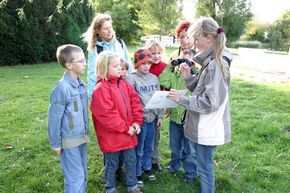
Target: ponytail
[208, 26]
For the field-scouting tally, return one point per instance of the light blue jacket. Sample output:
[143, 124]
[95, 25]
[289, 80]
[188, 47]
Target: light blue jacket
[93, 56]
[68, 123]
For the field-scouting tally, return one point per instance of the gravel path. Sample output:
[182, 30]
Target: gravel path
[257, 66]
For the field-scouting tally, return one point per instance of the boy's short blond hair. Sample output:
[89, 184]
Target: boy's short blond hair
[103, 62]
[64, 53]
[151, 43]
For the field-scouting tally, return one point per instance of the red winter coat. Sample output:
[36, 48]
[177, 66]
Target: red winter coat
[115, 107]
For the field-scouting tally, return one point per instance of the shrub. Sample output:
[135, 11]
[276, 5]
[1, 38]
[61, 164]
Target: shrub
[32, 30]
[247, 44]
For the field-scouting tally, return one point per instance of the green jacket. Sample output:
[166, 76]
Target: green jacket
[173, 80]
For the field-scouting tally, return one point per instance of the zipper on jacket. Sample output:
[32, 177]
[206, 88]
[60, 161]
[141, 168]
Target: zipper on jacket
[123, 99]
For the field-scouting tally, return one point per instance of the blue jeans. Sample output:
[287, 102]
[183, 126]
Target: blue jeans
[112, 164]
[181, 150]
[156, 153]
[145, 147]
[205, 165]
[74, 168]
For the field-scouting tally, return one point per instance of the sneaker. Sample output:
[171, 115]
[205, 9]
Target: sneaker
[156, 167]
[136, 190]
[140, 182]
[115, 191]
[188, 180]
[170, 170]
[150, 175]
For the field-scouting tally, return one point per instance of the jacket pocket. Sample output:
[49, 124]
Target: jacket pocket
[70, 122]
[75, 117]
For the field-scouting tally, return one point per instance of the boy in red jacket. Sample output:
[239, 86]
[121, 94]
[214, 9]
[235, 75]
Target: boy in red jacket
[117, 116]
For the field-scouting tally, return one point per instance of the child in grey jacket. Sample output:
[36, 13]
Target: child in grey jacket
[207, 121]
[145, 83]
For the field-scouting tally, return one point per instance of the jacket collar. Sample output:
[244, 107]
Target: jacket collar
[204, 58]
[105, 43]
[69, 79]
[111, 79]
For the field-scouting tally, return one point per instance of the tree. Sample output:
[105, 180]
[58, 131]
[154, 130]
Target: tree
[159, 17]
[231, 14]
[31, 30]
[279, 33]
[256, 30]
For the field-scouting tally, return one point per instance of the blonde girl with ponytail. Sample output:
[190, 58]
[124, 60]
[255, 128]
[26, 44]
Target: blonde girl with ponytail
[207, 120]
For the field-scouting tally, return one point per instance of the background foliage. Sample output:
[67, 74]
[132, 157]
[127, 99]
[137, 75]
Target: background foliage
[231, 14]
[163, 16]
[279, 33]
[31, 30]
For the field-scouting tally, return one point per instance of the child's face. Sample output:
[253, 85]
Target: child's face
[156, 54]
[144, 68]
[124, 71]
[114, 68]
[78, 65]
[203, 43]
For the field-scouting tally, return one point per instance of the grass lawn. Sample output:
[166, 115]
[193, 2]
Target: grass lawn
[257, 159]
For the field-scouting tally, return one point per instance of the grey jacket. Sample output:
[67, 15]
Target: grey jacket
[207, 120]
[146, 85]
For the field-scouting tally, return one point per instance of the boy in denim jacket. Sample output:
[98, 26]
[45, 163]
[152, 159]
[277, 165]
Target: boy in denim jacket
[68, 119]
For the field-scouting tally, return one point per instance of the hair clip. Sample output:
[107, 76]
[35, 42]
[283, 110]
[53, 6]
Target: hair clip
[220, 30]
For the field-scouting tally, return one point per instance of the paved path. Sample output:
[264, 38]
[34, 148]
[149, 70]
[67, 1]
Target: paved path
[257, 66]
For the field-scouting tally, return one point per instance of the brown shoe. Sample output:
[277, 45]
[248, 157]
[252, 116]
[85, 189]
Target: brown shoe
[136, 190]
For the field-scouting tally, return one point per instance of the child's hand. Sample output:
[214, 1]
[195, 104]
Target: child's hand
[136, 127]
[57, 150]
[131, 131]
[159, 123]
[185, 70]
[167, 113]
[174, 95]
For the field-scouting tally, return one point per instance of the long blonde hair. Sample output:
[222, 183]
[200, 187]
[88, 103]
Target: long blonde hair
[207, 26]
[103, 62]
[91, 36]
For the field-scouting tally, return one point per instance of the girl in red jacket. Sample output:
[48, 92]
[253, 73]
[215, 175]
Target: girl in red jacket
[117, 116]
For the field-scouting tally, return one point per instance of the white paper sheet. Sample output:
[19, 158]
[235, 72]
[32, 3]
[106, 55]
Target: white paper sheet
[160, 101]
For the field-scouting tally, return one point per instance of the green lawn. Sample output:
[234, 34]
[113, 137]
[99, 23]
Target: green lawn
[257, 159]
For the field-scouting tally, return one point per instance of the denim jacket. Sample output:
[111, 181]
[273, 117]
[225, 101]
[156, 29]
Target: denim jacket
[68, 113]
